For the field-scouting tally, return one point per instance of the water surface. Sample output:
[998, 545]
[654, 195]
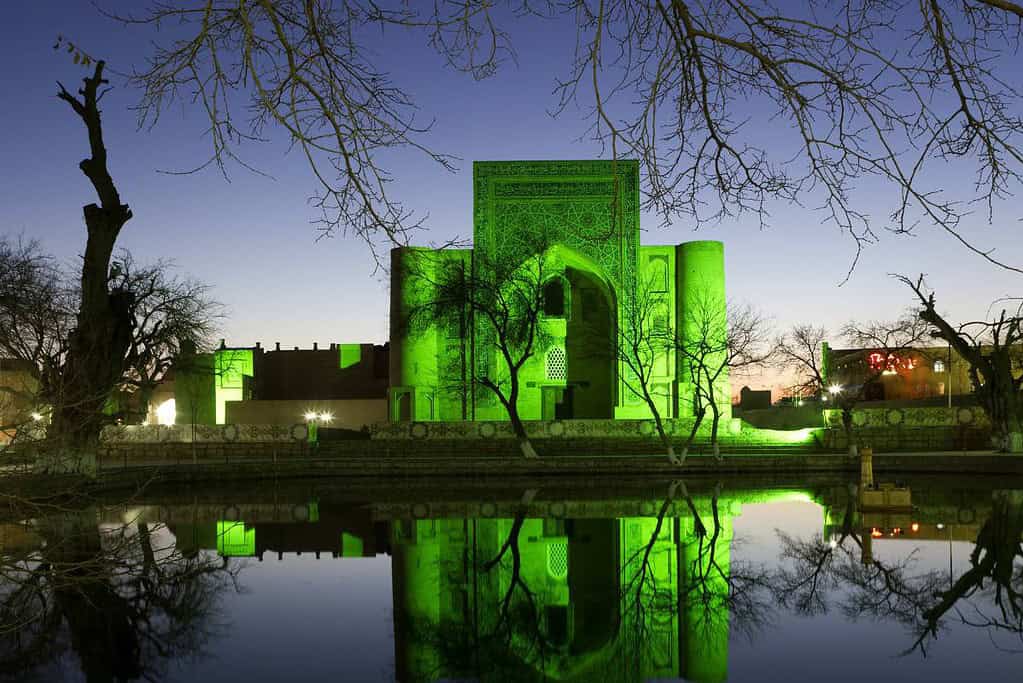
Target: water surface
[642, 580]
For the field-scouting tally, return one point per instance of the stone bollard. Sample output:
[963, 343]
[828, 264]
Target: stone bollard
[866, 467]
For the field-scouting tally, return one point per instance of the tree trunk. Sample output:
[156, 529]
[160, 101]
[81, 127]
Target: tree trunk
[700, 413]
[512, 406]
[669, 448]
[715, 420]
[97, 345]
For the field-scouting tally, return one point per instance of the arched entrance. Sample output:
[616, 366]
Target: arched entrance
[590, 337]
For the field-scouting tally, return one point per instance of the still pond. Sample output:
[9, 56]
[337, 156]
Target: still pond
[697, 580]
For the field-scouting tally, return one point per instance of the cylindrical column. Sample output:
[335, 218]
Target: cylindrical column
[701, 307]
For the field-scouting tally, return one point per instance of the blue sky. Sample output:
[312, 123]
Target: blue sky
[252, 240]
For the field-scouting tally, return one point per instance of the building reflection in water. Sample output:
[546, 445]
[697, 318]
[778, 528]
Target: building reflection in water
[525, 587]
[520, 590]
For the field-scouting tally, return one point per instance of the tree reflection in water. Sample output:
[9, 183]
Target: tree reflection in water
[817, 575]
[536, 586]
[651, 596]
[122, 598]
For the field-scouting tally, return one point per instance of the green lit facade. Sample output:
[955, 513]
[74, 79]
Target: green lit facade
[590, 595]
[587, 213]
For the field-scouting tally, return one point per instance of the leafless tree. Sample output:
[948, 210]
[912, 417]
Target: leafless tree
[308, 70]
[170, 315]
[800, 352]
[844, 90]
[504, 300]
[40, 305]
[93, 360]
[644, 344]
[848, 90]
[994, 350]
[716, 341]
[124, 599]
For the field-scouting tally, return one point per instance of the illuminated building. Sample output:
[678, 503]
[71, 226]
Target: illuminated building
[592, 269]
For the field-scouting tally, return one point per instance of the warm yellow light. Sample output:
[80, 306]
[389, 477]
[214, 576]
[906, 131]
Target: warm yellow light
[166, 413]
[876, 533]
[914, 527]
[311, 417]
[326, 417]
[835, 388]
[37, 417]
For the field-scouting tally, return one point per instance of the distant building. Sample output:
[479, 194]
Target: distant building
[914, 374]
[754, 399]
[343, 385]
[18, 388]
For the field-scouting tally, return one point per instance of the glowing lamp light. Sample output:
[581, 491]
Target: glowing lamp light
[166, 412]
[940, 526]
[833, 543]
[326, 417]
[835, 389]
[311, 417]
[914, 527]
[37, 417]
[876, 533]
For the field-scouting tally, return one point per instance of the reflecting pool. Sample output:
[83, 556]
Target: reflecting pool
[638, 580]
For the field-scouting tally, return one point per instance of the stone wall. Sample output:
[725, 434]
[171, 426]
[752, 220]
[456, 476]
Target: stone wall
[930, 416]
[928, 439]
[184, 433]
[346, 413]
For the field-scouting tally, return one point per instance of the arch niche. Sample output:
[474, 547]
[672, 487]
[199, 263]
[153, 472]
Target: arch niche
[590, 338]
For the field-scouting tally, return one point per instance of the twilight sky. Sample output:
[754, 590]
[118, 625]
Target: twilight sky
[251, 239]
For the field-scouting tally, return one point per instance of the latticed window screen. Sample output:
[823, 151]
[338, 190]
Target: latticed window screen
[556, 364]
[557, 560]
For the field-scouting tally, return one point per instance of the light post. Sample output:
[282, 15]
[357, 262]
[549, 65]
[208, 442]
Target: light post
[313, 421]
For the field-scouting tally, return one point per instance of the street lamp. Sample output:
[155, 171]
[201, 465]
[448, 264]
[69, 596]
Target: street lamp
[835, 389]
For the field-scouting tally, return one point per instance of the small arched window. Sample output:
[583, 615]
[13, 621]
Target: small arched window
[554, 298]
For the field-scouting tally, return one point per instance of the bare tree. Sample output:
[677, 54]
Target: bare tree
[847, 89]
[169, 315]
[131, 601]
[40, 306]
[800, 351]
[994, 350]
[307, 68]
[93, 360]
[716, 341]
[645, 343]
[504, 300]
